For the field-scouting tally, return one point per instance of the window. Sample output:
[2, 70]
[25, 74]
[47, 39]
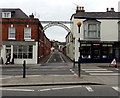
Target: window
[11, 33]
[107, 51]
[85, 51]
[27, 33]
[21, 52]
[6, 14]
[91, 29]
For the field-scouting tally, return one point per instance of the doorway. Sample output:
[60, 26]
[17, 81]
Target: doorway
[96, 52]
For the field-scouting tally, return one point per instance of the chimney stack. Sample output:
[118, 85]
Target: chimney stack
[31, 16]
[107, 9]
[80, 9]
[111, 10]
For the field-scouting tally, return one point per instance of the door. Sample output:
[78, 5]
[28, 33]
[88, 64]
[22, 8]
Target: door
[96, 52]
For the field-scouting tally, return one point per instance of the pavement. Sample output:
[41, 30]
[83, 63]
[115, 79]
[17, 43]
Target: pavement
[37, 80]
[49, 80]
[42, 80]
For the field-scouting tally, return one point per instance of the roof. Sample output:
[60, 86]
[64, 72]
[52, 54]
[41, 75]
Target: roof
[16, 13]
[97, 15]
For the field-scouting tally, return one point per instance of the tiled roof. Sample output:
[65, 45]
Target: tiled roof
[16, 13]
[97, 15]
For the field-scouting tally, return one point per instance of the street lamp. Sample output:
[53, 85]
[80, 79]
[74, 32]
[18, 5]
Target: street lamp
[79, 65]
[74, 58]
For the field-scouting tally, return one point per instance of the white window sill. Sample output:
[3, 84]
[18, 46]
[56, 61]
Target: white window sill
[29, 39]
[11, 38]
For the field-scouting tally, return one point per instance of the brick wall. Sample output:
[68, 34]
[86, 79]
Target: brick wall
[20, 24]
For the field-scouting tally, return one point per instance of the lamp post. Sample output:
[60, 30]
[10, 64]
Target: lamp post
[79, 65]
[74, 58]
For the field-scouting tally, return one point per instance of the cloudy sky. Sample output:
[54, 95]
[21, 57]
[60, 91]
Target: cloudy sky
[60, 10]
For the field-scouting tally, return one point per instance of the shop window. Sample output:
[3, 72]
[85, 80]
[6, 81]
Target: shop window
[91, 29]
[23, 52]
[107, 51]
[86, 51]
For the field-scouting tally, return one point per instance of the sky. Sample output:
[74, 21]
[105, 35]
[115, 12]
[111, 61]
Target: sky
[58, 10]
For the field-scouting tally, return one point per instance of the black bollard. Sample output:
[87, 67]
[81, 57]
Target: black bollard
[73, 63]
[24, 67]
[115, 66]
[79, 68]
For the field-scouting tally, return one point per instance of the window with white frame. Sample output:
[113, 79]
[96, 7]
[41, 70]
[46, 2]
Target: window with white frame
[6, 14]
[11, 33]
[27, 33]
[91, 29]
[21, 52]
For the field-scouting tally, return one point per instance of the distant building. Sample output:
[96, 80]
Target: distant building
[61, 46]
[99, 36]
[20, 37]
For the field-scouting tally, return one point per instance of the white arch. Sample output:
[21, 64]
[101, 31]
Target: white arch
[56, 24]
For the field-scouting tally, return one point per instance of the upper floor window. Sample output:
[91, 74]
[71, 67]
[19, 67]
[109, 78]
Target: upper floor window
[27, 33]
[11, 33]
[91, 29]
[6, 14]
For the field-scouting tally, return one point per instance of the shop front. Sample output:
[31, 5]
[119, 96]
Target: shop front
[117, 51]
[15, 52]
[97, 52]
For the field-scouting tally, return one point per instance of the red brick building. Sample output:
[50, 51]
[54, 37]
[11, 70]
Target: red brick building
[22, 37]
[45, 46]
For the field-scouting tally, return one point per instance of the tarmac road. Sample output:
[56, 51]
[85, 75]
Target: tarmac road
[57, 65]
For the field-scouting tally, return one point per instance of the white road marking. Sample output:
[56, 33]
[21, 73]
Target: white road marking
[99, 71]
[55, 60]
[89, 88]
[61, 58]
[103, 74]
[6, 77]
[92, 69]
[73, 72]
[7, 89]
[116, 88]
[116, 69]
[49, 58]
[42, 90]
[60, 88]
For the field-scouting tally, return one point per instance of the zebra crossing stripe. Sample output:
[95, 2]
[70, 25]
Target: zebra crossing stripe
[99, 71]
[103, 74]
[92, 69]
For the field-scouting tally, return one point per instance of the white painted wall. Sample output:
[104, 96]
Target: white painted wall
[3, 53]
[69, 46]
[77, 35]
[109, 30]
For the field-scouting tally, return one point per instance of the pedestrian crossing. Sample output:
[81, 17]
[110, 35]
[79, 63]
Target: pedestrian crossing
[101, 71]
